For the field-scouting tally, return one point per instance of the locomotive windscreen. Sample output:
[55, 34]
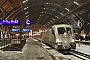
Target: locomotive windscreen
[61, 30]
[68, 30]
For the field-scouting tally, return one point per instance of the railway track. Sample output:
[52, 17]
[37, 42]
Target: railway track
[80, 55]
[75, 55]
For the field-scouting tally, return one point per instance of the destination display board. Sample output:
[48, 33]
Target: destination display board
[9, 22]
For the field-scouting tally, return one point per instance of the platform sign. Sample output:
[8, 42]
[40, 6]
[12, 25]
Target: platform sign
[9, 22]
[15, 30]
[27, 22]
[26, 30]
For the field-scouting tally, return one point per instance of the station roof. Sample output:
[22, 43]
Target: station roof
[47, 12]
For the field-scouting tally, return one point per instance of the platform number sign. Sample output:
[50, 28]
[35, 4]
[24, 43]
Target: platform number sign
[27, 22]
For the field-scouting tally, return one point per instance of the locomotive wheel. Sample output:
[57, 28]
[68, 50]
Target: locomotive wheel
[73, 46]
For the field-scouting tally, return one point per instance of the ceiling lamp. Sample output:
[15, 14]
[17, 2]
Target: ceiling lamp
[27, 15]
[50, 20]
[24, 1]
[26, 12]
[40, 15]
[42, 12]
[61, 13]
[76, 3]
[67, 9]
[47, 3]
[53, 19]
[56, 16]
[44, 8]
[25, 8]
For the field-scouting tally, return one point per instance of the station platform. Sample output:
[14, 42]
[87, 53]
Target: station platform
[33, 50]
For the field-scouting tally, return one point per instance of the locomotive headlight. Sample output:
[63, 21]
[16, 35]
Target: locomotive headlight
[65, 33]
[57, 40]
[72, 40]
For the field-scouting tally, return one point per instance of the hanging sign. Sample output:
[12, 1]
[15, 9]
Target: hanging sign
[27, 22]
[9, 22]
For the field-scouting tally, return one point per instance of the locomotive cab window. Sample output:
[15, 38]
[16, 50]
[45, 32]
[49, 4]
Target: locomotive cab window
[68, 30]
[61, 30]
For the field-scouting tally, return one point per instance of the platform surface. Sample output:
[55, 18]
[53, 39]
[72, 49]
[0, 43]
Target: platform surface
[31, 51]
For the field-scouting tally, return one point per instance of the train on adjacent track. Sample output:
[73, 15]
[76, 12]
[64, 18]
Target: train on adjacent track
[60, 37]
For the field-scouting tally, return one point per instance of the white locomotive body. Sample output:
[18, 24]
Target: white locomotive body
[60, 37]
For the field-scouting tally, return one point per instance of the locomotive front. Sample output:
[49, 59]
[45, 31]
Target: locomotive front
[65, 38]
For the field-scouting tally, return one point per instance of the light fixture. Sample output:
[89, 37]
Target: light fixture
[24, 1]
[26, 12]
[40, 15]
[44, 8]
[76, 3]
[67, 9]
[27, 18]
[53, 19]
[27, 15]
[88, 23]
[56, 16]
[61, 13]
[50, 20]
[47, 3]
[43, 25]
[25, 8]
